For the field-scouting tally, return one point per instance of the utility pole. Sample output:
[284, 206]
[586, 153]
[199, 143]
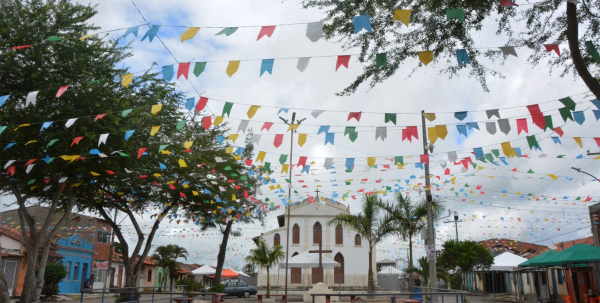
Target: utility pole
[110, 253]
[289, 206]
[430, 230]
[456, 220]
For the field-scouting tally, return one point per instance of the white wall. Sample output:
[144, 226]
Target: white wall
[9, 243]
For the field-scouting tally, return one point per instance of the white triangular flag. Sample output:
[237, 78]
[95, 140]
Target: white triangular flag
[31, 98]
[256, 139]
[381, 132]
[102, 155]
[316, 113]
[128, 171]
[243, 125]
[47, 187]
[29, 168]
[63, 179]
[9, 163]
[70, 122]
[102, 139]
[219, 159]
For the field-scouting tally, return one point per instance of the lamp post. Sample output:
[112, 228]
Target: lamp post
[456, 220]
[579, 170]
[289, 206]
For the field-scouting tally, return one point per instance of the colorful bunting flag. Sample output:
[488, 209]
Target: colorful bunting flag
[342, 60]
[232, 67]
[314, 31]
[426, 57]
[402, 16]
[151, 33]
[183, 70]
[552, 47]
[189, 33]
[266, 31]
[267, 66]
[362, 22]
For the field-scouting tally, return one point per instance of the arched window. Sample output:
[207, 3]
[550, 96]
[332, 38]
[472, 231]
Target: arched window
[149, 275]
[296, 234]
[317, 232]
[296, 272]
[338, 272]
[276, 240]
[357, 240]
[339, 235]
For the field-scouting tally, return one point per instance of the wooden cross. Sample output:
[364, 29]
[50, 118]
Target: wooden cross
[320, 252]
[317, 191]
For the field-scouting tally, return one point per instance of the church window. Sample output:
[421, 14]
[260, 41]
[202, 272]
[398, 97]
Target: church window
[296, 234]
[339, 235]
[317, 232]
[357, 240]
[277, 240]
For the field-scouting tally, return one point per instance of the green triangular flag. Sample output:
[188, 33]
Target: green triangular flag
[474, 165]
[399, 159]
[490, 157]
[288, 180]
[199, 68]
[123, 154]
[456, 194]
[593, 51]
[548, 122]
[282, 159]
[180, 125]
[234, 175]
[2, 128]
[532, 141]
[249, 184]
[227, 108]
[353, 136]
[126, 112]
[496, 152]
[380, 60]
[457, 13]
[466, 184]
[267, 167]
[94, 81]
[295, 191]
[53, 38]
[390, 117]
[568, 102]
[452, 189]
[160, 148]
[349, 130]
[561, 156]
[578, 198]
[227, 167]
[227, 31]
[30, 181]
[530, 171]
[49, 143]
[244, 178]
[348, 170]
[565, 113]
[348, 183]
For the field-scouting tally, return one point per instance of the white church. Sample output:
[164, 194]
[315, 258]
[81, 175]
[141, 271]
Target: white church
[308, 227]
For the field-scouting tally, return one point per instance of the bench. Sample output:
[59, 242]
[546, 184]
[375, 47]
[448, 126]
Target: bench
[179, 300]
[328, 298]
[411, 301]
[216, 296]
[260, 296]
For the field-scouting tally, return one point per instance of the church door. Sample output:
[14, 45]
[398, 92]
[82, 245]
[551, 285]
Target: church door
[296, 273]
[338, 272]
[317, 275]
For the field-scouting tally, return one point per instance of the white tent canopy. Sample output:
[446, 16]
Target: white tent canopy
[204, 270]
[388, 271]
[507, 261]
[308, 260]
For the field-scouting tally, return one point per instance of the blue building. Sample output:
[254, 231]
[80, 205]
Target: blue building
[77, 258]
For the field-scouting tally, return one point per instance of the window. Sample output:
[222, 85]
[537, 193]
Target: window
[357, 241]
[560, 276]
[103, 237]
[76, 272]
[68, 265]
[241, 284]
[99, 275]
[317, 232]
[277, 240]
[339, 235]
[527, 275]
[296, 234]
[149, 275]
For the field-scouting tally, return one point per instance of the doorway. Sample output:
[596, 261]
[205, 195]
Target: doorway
[575, 282]
[84, 274]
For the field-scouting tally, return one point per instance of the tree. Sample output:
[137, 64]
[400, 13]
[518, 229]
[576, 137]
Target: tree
[263, 256]
[423, 271]
[55, 271]
[166, 258]
[371, 223]
[465, 256]
[544, 22]
[118, 248]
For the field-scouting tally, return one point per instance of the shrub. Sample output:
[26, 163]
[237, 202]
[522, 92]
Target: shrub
[217, 288]
[192, 286]
[55, 272]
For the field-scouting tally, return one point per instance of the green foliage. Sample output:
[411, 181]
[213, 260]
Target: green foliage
[118, 247]
[265, 257]
[423, 271]
[166, 258]
[54, 272]
[192, 286]
[217, 288]
[465, 256]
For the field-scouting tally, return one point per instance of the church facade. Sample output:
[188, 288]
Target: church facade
[308, 226]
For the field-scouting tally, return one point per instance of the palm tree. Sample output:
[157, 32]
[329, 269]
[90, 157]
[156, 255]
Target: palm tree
[408, 218]
[166, 258]
[423, 271]
[370, 224]
[263, 256]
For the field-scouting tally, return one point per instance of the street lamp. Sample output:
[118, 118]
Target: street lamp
[456, 220]
[579, 170]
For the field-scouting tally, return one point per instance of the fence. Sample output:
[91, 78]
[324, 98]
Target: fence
[428, 295]
[139, 294]
[307, 279]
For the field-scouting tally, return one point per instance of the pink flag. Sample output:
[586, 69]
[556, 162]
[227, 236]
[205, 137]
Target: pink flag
[278, 140]
[266, 30]
[342, 60]
[141, 151]
[537, 116]
[424, 159]
[76, 140]
[355, 115]
[206, 122]
[302, 162]
[184, 69]
[98, 117]
[62, 90]
[522, 126]
[597, 141]
[267, 126]
[201, 104]
[507, 3]
[559, 131]
[552, 47]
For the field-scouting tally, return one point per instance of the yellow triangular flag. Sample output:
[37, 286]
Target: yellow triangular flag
[232, 68]
[429, 116]
[233, 197]
[442, 131]
[554, 177]
[271, 187]
[301, 139]
[233, 137]
[87, 36]
[252, 111]
[236, 157]
[95, 174]
[218, 120]
[157, 175]
[22, 125]
[127, 80]
[426, 57]
[32, 141]
[432, 134]
[508, 150]
[188, 144]
[156, 108]
[403, 15]
[154, 130]
[182, 163]
[284, 168]
[165, 152]
[261, 156]
[189, 33]
[278, 185]
[195, 193]
[400, 166]
[578, 140]
[371, 161]
[294, 127]
[229, 150]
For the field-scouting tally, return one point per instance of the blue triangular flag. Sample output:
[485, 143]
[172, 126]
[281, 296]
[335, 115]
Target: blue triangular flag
[462, 129]
[479, 153]
[267, 66]
[168, 72]
[419, 165]
[329, 137]
[94, 152]
[189, 103]
[132, 30]
[162, 166]
[349, 163]
[556, 140]
[151, 32]
[596, 102]
[579, 117]
[472, 125]
[220, 139]
[361, 22]
[597, 114]
[46, 125]
[283, 110]
[460, 115]
[462, 56]
[323, 129]
[9, 146]
[503, 159]
[128, 134]
[518, 151]
[3, 99]
[306, 169]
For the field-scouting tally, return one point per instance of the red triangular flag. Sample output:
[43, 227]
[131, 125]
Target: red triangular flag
[552, 47]
[201, 104]
[98, 117]
[20, 47]
[206, 122]
[537, 116]
[597, 141]
[267, 126]
[507, 3]
[110, 172]
[266, 30]
[76, 140]
[181, 194]
[11, 170]
[559, 131]
[522, 126]
[184, 68]
[141, 151]
[278, 140]
[171, 186]
[404, 134]
[424, 159]
[355, 115]
[248, 162]
[342, 60]
[29, 162]
[447, 171]
[62, 90]
[302, 162]
[246, 196]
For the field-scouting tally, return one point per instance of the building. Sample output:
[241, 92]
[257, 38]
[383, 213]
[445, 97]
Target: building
[77, 256]
[308, 227]
[595, 221]
[566, 244]
[147, 277]
[523, 249]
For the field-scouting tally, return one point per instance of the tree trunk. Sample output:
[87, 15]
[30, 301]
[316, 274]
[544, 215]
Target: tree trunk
[411, 280]
[573, 37]
[370, 282]
[4, 291]
[268, 294]
[222, 251]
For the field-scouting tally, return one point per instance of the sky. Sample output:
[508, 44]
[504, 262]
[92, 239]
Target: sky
[501, 208]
